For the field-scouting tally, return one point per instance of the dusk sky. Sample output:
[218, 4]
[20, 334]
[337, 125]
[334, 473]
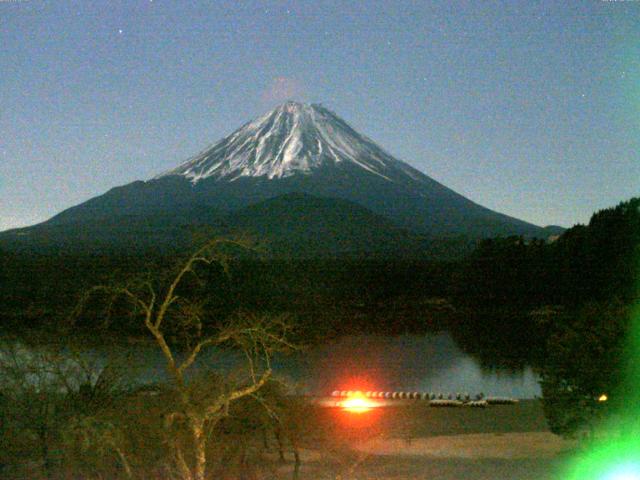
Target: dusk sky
[528, 108]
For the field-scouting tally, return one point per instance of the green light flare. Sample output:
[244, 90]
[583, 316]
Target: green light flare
[611, 460]
[616, 455]
[624, 472]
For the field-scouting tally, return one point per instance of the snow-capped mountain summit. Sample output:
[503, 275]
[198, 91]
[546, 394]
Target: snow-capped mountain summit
[294, 138]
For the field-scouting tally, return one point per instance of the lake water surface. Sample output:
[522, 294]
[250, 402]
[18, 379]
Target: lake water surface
[426, 363]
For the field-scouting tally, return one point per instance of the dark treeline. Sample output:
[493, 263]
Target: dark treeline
[496, 301]
[327, 297]
[595, 262]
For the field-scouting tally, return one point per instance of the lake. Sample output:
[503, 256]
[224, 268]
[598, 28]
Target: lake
[426, 363]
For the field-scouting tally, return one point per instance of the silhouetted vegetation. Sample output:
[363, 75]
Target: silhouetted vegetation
[63, 417]
[68, 418]
[595, 262]
[584, 361]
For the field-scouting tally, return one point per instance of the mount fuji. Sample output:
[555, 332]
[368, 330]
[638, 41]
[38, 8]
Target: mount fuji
[293, 139]
[299, 161]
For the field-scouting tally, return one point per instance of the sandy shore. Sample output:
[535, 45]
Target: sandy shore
[500, 443]
[519, 445]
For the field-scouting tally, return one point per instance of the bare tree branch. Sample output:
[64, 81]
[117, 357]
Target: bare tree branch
[258, 337]
[194, 353]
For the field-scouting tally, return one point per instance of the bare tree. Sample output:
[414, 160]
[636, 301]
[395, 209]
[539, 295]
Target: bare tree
[171, 308]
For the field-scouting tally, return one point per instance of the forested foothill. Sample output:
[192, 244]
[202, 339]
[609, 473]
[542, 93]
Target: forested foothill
[513, 301]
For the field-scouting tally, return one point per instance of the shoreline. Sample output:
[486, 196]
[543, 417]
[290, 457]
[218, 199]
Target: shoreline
[501, 442]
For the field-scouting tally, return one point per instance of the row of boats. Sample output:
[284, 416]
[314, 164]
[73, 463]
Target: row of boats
[434, 399]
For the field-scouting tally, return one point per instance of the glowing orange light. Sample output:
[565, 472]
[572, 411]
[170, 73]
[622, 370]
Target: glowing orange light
[357, 403]
[603, 398]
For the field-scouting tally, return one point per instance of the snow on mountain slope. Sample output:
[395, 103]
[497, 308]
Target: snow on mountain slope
[293, 138]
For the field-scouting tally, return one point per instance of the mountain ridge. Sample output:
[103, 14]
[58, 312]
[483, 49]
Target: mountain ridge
[297, 148]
